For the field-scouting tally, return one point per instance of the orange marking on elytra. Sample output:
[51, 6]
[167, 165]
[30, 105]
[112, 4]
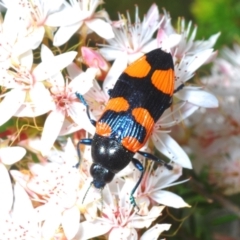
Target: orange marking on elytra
[143, 117]
[163, 80]
[139, 68]
[131, 143]
[117, 104]
[103, 129]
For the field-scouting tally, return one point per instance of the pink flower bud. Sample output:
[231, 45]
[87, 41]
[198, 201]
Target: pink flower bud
[93, 59]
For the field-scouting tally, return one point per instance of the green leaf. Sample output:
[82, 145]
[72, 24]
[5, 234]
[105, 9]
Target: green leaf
[224, 219]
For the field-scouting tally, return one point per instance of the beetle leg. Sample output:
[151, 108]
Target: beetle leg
[179, 88]
[86, 141]
[154, 158]
[109, 91]
[81, 98]
[140, 167]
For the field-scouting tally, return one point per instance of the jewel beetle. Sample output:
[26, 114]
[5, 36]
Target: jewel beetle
[140, 96]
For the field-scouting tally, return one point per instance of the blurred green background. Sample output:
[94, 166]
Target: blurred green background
[175, 7]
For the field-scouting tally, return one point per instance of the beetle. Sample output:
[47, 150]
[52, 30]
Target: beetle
[140, 96]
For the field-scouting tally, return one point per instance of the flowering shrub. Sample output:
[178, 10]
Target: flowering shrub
[217, 133]
[42, 67]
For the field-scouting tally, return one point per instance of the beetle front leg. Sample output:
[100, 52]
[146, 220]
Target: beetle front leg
[156, 159]
[81, 98]
[85, 141]
[140, 167]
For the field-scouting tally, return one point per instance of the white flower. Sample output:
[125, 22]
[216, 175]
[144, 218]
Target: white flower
[66, 106]
[28, 95]
[188, 56]
[223, 80]
[188, 45]
[78, 15]
[9, 217]
[164, 142]
[59, 188]
[118, 217]
[224, 169]
[9, 156]
[152, 185]
[216, 131]
[10, 28]
[36, 16]
[56, 187]
[184, 70]
[21, 222]
[6, 191]
[133, 39]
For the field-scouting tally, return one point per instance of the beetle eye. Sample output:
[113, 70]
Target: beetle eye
[95, 170]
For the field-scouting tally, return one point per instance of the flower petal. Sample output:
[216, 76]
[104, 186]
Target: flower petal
[70, 152]
[6, 191]
[115, 71]
[51, 224]
[151, 45]
[10, 104]
[22, 179]
[86, 232]
[189, 64]
[155, 231]
[52, 127]
[70, 222]
[198, 97]
[110, 54]
[23, 209]
[52, 66]
[84, 81]
[73, 70]
[46, 53]
[78, 114]
[125, 233]
[168, 199]
[67, 16]
[42, 212]
[165, 178]
[170, 148]
[32, 41]
[146, 221]
[176, 114]
[102, 28]
[64, 33]
[26, 59]
[40, 102]
[10, 155]
[152, 15]
[70, 127]
[11, 24]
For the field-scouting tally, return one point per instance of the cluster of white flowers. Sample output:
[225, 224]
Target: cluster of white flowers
[39, 76]
[217, 131]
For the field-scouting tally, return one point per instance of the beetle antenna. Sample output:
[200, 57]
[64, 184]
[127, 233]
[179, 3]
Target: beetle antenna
[87, 192]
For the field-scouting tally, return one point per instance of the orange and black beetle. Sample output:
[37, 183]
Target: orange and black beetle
[140, 96]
